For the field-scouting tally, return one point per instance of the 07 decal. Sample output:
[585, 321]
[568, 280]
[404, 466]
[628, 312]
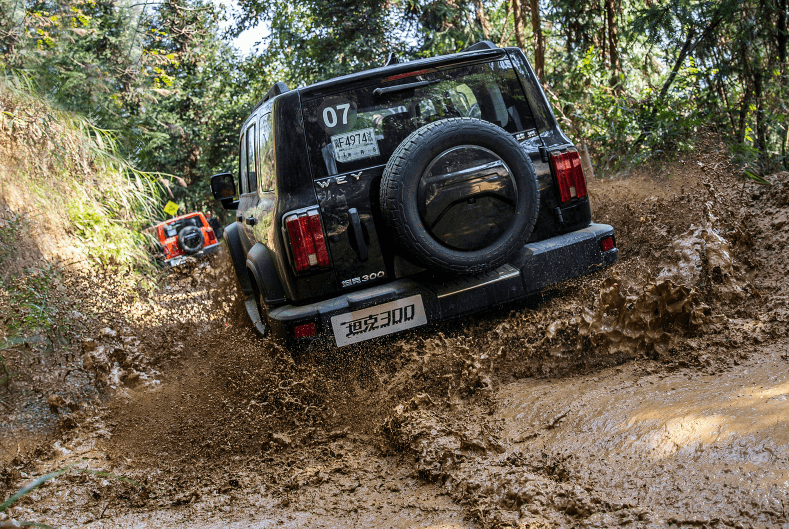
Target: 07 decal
[337, 115]
[363, 279]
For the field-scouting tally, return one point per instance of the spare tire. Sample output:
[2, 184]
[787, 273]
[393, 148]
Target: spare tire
[191, 240]
[460, 196]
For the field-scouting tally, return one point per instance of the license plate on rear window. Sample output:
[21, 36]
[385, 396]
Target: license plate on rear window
[355, 145]
[379, 320]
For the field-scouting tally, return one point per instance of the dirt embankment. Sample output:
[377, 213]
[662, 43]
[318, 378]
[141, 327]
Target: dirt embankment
[646, 395]
[70, 210]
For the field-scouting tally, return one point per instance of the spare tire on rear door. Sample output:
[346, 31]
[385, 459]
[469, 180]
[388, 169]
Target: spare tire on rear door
[460, 195]
[190, 239]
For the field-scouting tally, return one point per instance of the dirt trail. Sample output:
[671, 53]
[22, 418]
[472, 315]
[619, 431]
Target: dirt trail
[648, 395]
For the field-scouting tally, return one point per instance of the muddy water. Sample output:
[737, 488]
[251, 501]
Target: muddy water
[678, 448]
[622, 446]
[648, 395]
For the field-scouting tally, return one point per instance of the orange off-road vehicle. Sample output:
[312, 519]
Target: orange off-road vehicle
[183, 237]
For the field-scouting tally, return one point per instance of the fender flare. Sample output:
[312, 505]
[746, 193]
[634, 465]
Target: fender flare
[263, 271]
[233, 242]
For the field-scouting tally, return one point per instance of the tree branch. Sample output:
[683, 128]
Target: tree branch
[688, 47]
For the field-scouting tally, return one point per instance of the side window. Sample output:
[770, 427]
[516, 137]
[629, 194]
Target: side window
[242, 166]
[252, 174]
[464, 100]
[266, 154]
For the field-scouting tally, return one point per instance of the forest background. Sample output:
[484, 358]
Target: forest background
[631, 80]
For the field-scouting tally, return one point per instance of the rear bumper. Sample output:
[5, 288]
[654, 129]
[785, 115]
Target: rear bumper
[539, 266]
[207, 250]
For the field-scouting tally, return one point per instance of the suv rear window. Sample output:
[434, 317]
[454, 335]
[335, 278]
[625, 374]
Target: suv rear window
[361, 128]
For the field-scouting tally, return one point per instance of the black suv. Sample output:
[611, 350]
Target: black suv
[404, 195]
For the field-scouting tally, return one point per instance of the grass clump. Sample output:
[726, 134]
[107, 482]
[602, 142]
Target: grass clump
[69, 175]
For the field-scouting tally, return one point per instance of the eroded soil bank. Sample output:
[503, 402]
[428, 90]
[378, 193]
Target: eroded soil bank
[649, 395]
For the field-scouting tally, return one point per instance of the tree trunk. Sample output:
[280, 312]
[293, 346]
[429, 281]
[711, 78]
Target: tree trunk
[781, 30]
[756, 78]
[539, 41]
[504, 38]
[517, 17]
[761, 125]
[613, 45]
[603, 33]
[482, 18]
[743, 120]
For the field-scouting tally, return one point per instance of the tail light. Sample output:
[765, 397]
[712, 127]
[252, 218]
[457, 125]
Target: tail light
[304, 331]
[211, 236]
[306, 240]
[569, 175]
[408, 74]
[607, 244]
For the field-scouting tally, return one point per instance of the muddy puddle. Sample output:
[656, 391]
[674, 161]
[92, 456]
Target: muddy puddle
[664, 449]
[648, 395]
[621, 446]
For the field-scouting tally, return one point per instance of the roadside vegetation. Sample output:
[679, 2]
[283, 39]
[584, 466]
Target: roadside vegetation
[632, 81]
[69, 174]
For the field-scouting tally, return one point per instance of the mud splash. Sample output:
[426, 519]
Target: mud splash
[674, 304]
[620, 399]
[464, 452]
[631, 451]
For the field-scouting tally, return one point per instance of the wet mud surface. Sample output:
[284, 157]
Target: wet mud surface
[653, 394]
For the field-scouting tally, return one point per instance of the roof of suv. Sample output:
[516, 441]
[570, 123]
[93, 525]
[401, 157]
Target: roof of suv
[330, 85]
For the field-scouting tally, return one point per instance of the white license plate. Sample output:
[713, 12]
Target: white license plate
[355, 145]
[379, 320]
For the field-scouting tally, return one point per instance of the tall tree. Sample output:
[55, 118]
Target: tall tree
[313, 39]
[699, 20]
[482, 18]
[613, 44]
[539, 41]
[518, 20]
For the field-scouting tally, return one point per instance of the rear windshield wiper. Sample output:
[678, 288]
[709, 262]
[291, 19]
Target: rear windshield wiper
[378, 92]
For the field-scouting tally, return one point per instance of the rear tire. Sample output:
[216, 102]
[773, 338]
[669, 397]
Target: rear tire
[261, 326]
[237, 257]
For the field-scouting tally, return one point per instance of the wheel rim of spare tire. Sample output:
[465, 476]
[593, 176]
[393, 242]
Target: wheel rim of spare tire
[457, 182]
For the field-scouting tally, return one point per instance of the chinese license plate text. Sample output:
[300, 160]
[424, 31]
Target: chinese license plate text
[379, 320]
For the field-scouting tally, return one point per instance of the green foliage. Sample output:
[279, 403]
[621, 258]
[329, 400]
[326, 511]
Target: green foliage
[70, 166]
[632, 79]
[158, 75]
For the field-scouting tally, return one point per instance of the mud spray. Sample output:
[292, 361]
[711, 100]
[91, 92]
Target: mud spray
[624, 398]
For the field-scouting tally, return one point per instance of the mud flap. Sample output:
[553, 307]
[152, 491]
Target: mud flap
[254, 315]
